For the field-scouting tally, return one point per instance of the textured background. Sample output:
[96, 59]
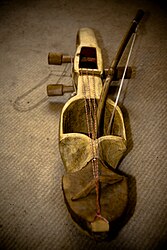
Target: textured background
[32, 209]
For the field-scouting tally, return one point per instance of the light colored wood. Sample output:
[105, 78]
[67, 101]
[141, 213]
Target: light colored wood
[80, 197]
[76, 152]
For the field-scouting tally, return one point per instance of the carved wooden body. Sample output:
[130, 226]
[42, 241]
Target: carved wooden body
[91, 141]
[73, 127]
[75, 145]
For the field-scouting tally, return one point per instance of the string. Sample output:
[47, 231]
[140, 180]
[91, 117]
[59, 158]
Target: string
[91, 120]
[86, 107]
[96, 166]
[120, 87]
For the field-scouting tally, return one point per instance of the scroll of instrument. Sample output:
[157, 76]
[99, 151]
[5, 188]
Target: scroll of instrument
[92, 136]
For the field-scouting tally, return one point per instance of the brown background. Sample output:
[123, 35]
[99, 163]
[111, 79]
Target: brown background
[32, 209]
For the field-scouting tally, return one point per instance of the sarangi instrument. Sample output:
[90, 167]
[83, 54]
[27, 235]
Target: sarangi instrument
[92, 136]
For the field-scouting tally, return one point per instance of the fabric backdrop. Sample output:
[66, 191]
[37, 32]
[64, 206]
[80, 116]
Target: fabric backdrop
[33, 214]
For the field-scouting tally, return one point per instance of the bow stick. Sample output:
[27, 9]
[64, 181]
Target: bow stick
[112, 68]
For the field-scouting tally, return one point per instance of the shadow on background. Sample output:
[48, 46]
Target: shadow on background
[132, 189]
[129, 211]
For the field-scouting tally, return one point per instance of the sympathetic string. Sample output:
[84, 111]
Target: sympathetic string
[91, 120]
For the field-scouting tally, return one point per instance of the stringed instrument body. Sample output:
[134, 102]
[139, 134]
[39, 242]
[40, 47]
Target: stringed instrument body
[95, 193]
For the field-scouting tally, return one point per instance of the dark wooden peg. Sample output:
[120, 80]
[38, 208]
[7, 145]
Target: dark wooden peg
[58, 58]
[58, 89]
[119, 73]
